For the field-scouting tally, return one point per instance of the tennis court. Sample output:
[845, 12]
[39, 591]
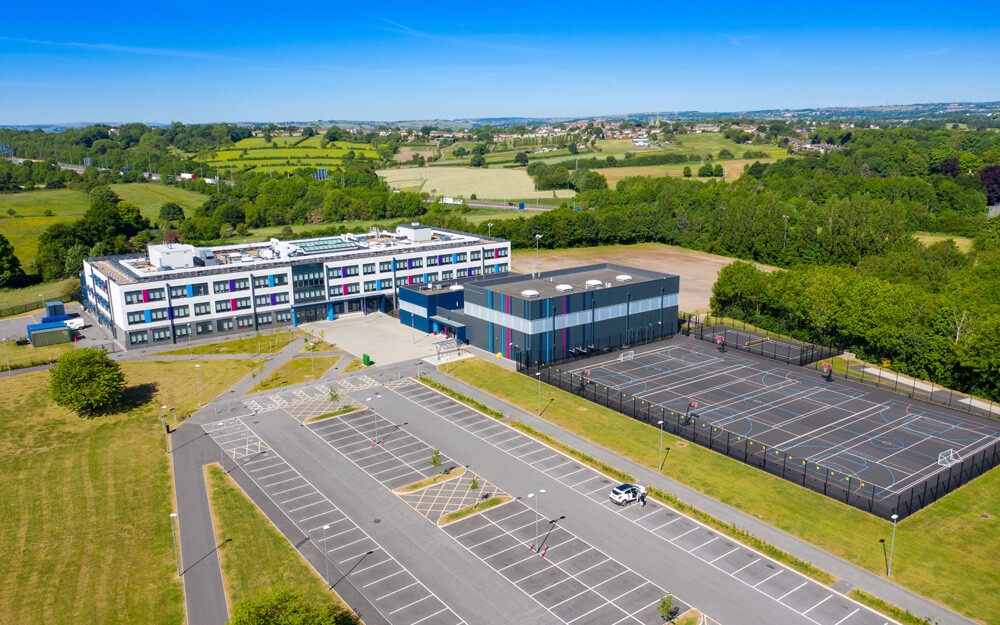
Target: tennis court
[859, 441]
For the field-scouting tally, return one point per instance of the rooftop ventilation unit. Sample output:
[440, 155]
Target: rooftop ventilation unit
[594, 284]
[624, 277]
[456, 287]
[564, 288]
[529, 293]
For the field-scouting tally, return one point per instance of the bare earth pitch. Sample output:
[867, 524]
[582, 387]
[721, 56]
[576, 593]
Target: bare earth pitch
[697, 270]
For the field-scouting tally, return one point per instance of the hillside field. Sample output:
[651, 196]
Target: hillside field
[491, 184]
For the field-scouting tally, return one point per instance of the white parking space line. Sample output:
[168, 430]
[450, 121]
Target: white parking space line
[792, 590]
[712, 561]
[710, 540]
[733, 574]
[303, 507]
[429, 616]
[778, 572]
[382, 578]
[389, 594]
[410, 604]
[847, 617]
[822, 601]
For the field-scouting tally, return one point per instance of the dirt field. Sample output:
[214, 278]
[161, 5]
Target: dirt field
[491, 183]
[697, 270]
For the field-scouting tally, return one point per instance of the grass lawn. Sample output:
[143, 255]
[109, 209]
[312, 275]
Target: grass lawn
[38, 293]
[964, 244]
[268, 343]
[938, 550]
[21, 356]
[297, 370]
[460, 181]
[84, 516]
[254, 555]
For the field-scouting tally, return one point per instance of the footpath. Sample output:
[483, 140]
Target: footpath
[849, 575]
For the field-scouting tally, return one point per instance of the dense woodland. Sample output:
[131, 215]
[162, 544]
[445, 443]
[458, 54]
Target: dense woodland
[841, 225]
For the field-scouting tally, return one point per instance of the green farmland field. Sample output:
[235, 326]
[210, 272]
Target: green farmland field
[67, 205]
[254, 153]
[258, 142]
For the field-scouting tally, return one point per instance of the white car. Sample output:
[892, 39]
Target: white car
[627, 493]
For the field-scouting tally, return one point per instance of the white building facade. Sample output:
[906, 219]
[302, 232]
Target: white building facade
[179, 293]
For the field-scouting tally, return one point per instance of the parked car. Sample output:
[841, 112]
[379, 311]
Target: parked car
[626, 493]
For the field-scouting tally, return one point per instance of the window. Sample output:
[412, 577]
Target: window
[447, 275]
[133, 297]
[262, 300]
[221, 286]
[241, 284]
[177, 292]
[280, 279]
[370, 286]
[223, 305]
[354, 287]
[281, 298]
[158, 315]
[432, 261]
[309, 295]
[402, 281]
[162, 334]
[199, 289]
[431, 277]
[283, 315]
[351, 270]
[224, 325]
[502, 267]
[502, 252]
[311, 275]
[244, 322]
[446, 259]
[264, 319]
[242, 303]
[137, 338]
[136, 317]
[205, 327]
[476, 255]
[202, 309]
[475, 271]
[385, 266]
[261, 282]
[182, 331]
[418, 279]
[369, 268]
[416, 263]
[461, 257]
[156, 295]
[354, 306]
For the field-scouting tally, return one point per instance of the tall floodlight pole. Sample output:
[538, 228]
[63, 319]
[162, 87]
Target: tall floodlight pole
[660, 425]
[326, 558]
[173, 535]
[892, 545]
[538, 238]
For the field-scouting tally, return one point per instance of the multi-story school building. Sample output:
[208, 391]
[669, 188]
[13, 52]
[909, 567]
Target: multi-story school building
[177, 292]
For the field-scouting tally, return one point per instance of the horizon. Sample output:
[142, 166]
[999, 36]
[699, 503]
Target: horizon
[201, 62]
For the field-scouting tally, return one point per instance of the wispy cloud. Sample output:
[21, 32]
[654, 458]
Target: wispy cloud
[403, 29]
[738, 40]
[120, 49]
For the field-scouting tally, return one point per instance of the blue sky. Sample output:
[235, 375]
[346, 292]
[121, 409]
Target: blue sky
[229, 60]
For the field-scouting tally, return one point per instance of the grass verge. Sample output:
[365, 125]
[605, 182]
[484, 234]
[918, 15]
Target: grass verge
[938, 550]
[253, 553]
[297, 370]
[261, 344]
[434, 479]
[22, 356]
[85, 513]
[884, 607]
[462, 398]
[354, 365]
[330, 415]
[475, 508]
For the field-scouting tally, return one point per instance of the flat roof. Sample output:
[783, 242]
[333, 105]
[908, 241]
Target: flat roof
[573, 280]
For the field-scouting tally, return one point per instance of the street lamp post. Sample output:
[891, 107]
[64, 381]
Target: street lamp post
[892, 545]
[371, 401]
[538, 238]
[326, 558]
[659, 423]
[163, 424]
[489, 230]
[534, 545]
[173, 536]
[538, 376]
[197, 382]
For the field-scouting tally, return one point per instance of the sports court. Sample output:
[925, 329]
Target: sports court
[862, 441]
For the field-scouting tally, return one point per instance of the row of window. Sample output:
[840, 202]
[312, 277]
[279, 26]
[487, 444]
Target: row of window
[207, 327]
[200, 289]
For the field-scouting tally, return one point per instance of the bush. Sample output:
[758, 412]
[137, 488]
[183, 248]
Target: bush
[87, 382]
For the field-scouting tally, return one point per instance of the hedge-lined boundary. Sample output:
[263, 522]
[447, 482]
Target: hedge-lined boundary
[884, 607]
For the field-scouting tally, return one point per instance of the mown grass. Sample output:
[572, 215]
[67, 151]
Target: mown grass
[297, 370]
[903, 616]
[253, 554]
[85, 512]
[264, 344]
[481, 506]
[21, 356]
[938, 550]
[428, 481]
[331, 415]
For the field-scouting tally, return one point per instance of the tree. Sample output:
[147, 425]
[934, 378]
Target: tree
[478, 160]
[521, 158]
[11, 273]
[436, 458]
[284, 606]
[573, 149]
[87, 382]
[460, 151]
[687, 171]
[171, 213]
[666, 607]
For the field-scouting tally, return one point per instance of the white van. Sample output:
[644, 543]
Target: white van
[76, 323]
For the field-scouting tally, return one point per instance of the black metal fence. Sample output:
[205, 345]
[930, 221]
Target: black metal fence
[30, 306]
[641, 335]
[831, 482]
[750, 340]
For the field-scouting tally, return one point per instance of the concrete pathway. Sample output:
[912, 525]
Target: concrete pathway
[849, 575]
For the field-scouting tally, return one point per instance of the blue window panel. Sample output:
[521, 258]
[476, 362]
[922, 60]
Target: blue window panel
[270, 280]
[149, 316]
[190, 290]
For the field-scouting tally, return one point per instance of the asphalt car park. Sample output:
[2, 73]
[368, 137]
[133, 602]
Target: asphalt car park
[811, 600]
[351, 553]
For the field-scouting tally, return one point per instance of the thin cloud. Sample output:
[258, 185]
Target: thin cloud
[116, 48]
[403, 29]
[737, 40]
